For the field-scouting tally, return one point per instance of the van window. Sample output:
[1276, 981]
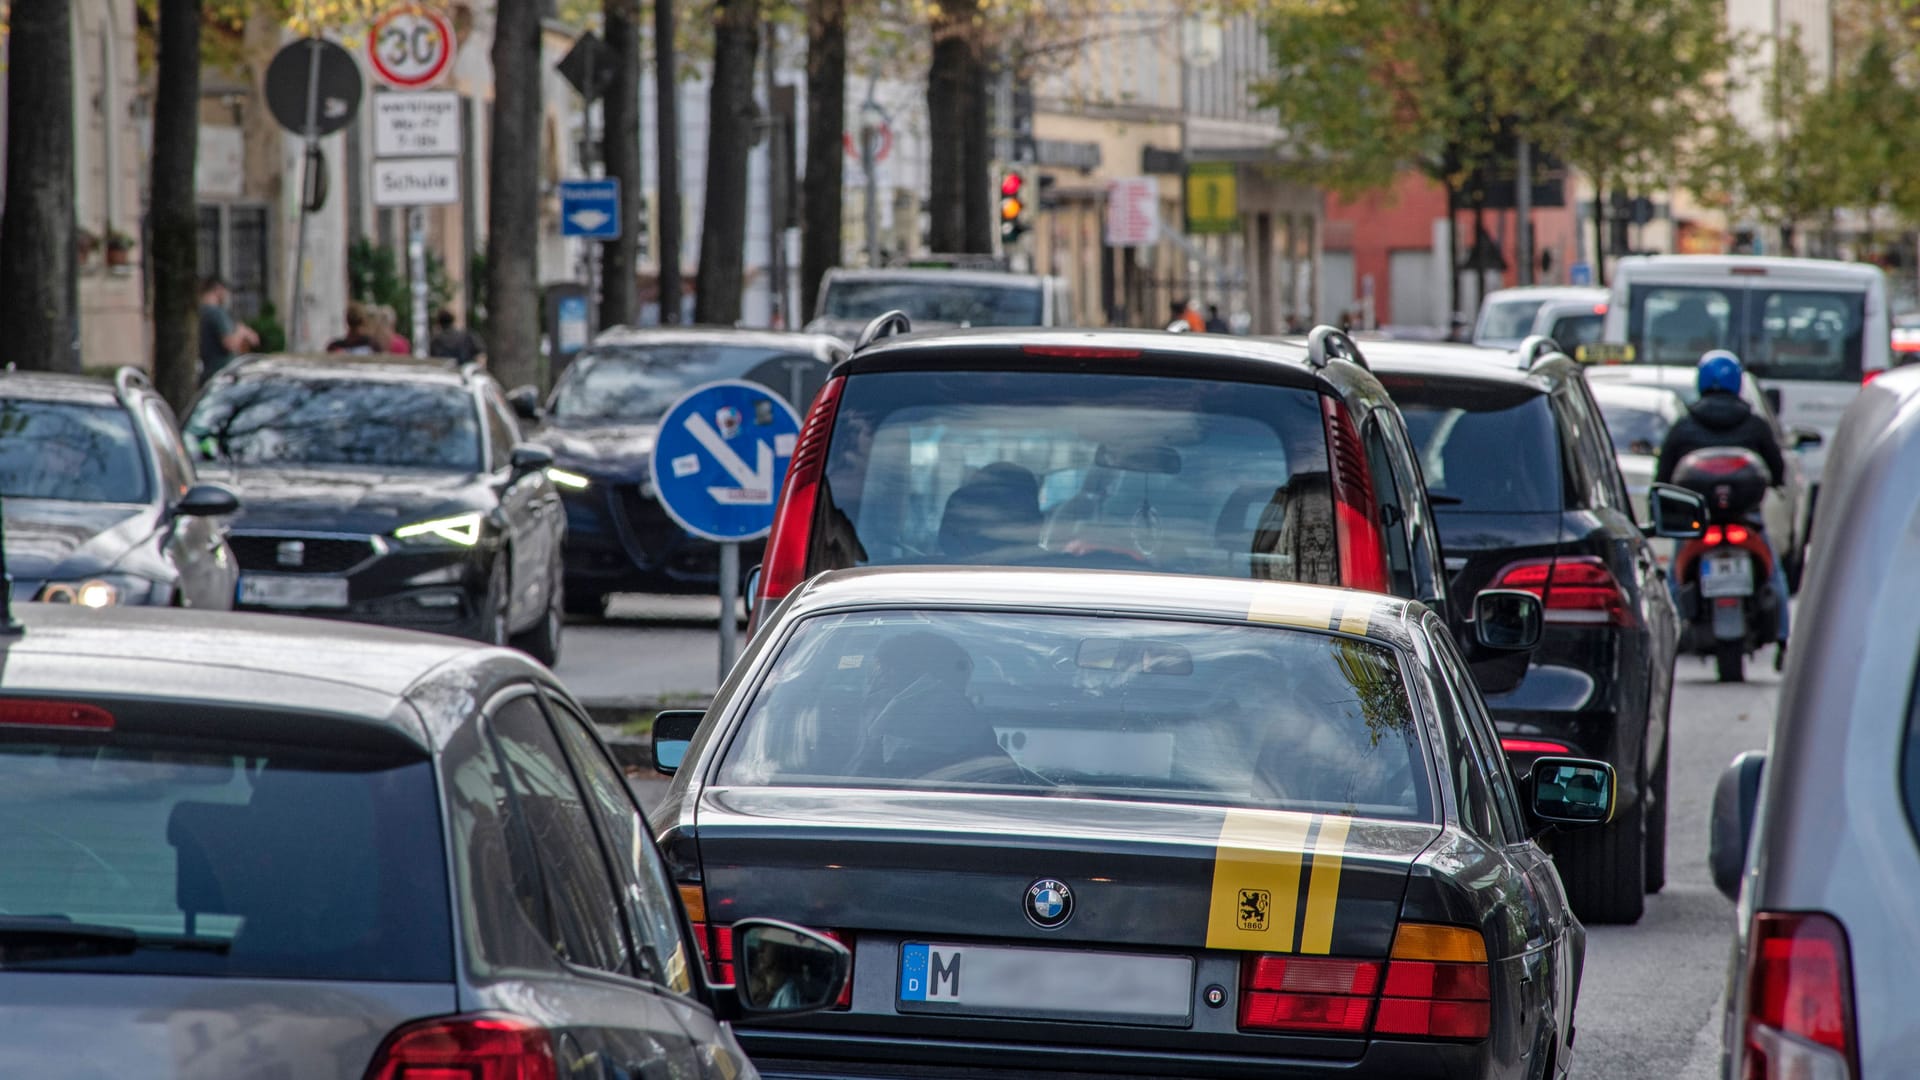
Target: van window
[1777, 333]
[1675, 324]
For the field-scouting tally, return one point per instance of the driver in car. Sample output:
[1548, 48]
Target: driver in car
[918, 719]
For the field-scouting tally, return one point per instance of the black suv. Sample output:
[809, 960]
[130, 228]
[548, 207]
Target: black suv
[1114, 449]
[387, 490]
[1520, 471]
[103, 508]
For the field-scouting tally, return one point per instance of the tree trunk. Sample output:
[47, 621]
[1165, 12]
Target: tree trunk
[1453, 249]
[37, 284]
[982, 210]
[667, 144]
[731, 116]
[174, 215]
[621, 137]
[513, 196]
[947, 85]
[824, 198]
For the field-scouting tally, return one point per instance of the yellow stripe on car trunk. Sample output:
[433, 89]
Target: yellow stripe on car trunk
[1288, 606]
[1323, 887]
[1259, 863]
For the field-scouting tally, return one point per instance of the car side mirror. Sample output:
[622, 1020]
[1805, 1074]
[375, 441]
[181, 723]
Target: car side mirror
[1572, 791]
[1806, 438]
[208, 500]
[1736, 798]
[672, 734]
[1508, 620]
[782, 969]
[529, 458]
[752, 590]
[1678, 514]
[525, 401]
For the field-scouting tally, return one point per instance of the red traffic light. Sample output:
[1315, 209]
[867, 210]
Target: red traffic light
[1010, 184]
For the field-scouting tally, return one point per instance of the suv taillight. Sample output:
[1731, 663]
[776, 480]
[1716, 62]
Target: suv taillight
[1799, 998]
[1363, 552]
[785, 566]
[1435, 985]
[483, 1046]
[1574, 589]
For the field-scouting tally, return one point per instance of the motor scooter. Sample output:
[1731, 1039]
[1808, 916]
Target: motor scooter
[1728, 605]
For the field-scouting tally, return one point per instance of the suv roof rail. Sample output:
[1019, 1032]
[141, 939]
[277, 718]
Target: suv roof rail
[1536, 348]
[1327, 342]
[892, 324]
[128, 379]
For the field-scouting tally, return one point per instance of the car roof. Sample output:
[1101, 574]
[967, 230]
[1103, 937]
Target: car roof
[1221, 347]
[1111, 593]
[48, 386]
[386, 366]
[1449, 360]
[716, 335]
[1785, 265]
[1548, 292]
[935, 275]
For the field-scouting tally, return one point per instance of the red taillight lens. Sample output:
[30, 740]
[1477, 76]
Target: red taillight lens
[716, 947]
[1721, 464]
[1738, 534]
[16, 712]
[1712, 536]
[1599, 309]
[785, 566]
[1363, 552]
[1799, 997]
[1295, 993]
[1872, 375]
[1574, 589]
[1436, 985]
[1533, 746]
[484, 1046]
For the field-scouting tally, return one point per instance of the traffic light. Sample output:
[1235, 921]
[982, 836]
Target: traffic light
[1013, 207]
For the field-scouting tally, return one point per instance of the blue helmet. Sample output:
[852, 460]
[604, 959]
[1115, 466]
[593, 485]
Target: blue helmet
[1719, 370]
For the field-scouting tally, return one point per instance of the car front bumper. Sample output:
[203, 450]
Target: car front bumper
[436, 589]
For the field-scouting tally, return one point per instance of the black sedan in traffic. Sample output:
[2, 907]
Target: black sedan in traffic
[1091, 823]
[600, 422]
[387, 490]
[102, 506]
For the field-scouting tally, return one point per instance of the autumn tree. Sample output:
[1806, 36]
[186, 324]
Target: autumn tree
[37, 284]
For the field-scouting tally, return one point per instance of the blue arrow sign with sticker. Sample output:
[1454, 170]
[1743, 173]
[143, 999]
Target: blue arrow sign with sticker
[720, 458]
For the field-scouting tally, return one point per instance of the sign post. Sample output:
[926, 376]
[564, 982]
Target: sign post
[313, 89]
[416, 135]
[718, 462]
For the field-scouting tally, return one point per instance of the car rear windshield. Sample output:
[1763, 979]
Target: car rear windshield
[65, 450]
[1777, 333]
[1054, 468]
[1086, 706]
[1572, 331]
[1483, 447]
[956, 302]
[172, 857]
[272, 419]
[637, 383]
[1508, 320]
[1635, 430]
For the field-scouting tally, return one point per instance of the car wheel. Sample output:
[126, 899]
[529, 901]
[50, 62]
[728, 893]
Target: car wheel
[499, 600]
[1604, 868]
[543, 641]
[586, 603]
[1657, 829]
[1730, 658]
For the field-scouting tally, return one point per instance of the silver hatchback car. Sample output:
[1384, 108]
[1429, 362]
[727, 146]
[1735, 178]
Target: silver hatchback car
[1819, 837]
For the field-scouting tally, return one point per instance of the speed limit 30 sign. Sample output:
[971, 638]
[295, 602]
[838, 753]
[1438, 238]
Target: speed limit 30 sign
[411, 46]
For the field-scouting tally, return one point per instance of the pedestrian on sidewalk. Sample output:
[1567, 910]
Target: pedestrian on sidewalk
[358, 339]
[454, 342]
[1216, 324]
[387, 335]
[221, 336]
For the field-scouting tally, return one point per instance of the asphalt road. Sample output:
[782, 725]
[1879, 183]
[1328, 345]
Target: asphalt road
[1650, 1003]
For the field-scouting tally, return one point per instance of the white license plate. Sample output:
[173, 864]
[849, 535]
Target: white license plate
[293, 591]
[1726, 575]
[1049, 984]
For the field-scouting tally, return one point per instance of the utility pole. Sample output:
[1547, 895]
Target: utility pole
[667, 145]
[1523, 210]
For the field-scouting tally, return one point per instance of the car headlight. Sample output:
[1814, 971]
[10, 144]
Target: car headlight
[460, 529]
[568, 479]
[100, 592]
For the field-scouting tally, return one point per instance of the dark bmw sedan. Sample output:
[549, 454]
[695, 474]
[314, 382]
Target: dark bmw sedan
[1095, 824]
[387, 490]
[600, 422]
[102, 505]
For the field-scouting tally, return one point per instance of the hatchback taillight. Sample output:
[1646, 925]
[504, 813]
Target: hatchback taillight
[1363, 551]
[1435, 985]
[483, 1046]
[785, 566]
[1574, 589]
[1799, 1006]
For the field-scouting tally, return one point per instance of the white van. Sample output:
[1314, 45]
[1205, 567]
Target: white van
[1811, 330]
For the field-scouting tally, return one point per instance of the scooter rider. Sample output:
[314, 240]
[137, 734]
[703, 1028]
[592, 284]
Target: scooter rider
[1721, 418]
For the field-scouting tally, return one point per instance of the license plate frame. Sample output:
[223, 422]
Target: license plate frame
[1726, 574]
[1021, 983]
[292, 592]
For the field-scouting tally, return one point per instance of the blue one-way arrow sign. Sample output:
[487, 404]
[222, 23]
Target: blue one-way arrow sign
[590, 209]
[720, 457]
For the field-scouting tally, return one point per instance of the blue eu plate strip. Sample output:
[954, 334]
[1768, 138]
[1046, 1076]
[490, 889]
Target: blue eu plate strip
[913, 972]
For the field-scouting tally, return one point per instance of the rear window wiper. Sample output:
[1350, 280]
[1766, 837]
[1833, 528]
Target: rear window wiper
[25, 939]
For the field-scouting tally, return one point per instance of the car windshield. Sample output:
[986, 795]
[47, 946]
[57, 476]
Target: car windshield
[1777, 333]
[1051, 468]
[961, 303]
[1572, 331]
[1087, 706]
[1507, 321]
[1635, 429]
[1483, 447]
[162, 856]
[272, 419]
[65, 450]
[638, 383]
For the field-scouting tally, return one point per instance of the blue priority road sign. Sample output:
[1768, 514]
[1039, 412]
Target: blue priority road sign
[590, 209]
[720, 458]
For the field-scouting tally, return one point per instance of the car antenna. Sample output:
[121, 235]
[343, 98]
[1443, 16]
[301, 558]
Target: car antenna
[8, 627]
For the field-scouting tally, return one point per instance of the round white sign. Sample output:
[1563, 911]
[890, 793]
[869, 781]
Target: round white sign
[411, 46]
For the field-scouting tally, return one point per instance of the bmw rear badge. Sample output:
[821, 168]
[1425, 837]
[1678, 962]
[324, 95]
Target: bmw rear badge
[1049, 903]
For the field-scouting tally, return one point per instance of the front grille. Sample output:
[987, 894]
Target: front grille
[315, 555]
[648, 532]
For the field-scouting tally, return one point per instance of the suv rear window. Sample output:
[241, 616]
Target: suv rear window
[168, 857]
[957, 302]
[1483, 447]
[1070, 469]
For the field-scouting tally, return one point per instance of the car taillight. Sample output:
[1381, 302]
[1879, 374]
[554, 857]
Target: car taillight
[484, 1046]
[1532, 746]
[1799, 998]
[1574, 589]
[1438, 984]
[19, 712]
[785, 566]
[1300, 993]
[1363, 552]
[1080, 352]
[1721, 464]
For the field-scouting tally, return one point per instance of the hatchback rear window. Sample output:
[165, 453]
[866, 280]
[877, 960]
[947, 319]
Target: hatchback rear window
[1062, 469]
[1088, 707]
[164, 857]
[1483, 447]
